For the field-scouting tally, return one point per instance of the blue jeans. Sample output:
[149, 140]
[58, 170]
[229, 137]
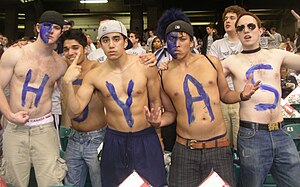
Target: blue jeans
[82, 157]
[261, 151]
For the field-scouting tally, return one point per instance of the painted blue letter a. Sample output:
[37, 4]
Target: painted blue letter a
[189, 100]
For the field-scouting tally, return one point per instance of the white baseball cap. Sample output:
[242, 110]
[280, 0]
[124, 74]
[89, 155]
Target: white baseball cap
[113, 26]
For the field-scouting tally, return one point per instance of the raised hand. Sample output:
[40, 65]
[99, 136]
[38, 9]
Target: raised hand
[148, 59]
[154, 118]
[74, 70]
[249, 88]
[297, 17]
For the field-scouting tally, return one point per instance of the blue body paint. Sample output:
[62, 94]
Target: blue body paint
[125, 106]
[37, 91]
[189, 100]
[45, 30]
[172, 39]
[85, 112]
[263, 106]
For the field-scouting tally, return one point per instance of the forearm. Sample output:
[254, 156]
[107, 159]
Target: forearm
[70, 102]
[4, 106]
[167, 118]
[231, 97]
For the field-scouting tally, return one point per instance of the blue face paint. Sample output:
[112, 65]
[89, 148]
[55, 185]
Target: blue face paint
[125, 106]
[172, 39]
[37, 91]
[264, 106]
[45, 30]
[189, 100]
[85, 112]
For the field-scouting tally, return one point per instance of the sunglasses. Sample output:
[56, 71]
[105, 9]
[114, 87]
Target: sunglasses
[250, 26]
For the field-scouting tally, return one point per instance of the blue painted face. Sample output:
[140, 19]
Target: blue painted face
[45, 30]
[172, 39]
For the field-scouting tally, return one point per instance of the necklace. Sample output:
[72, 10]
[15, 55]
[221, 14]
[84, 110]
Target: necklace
[251, 51]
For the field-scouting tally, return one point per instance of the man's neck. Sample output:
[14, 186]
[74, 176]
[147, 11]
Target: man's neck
[232, 36]
[43, 48]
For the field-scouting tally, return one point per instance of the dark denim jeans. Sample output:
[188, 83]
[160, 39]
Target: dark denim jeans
[82, 156]
[262, 151]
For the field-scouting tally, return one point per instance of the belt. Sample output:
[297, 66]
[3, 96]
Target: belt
[259, 126]
[200, 144]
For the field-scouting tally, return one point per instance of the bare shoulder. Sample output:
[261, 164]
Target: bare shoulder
[12, 55]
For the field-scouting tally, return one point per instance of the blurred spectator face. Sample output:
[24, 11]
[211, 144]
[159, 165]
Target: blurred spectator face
[1, 38]
[209, 30]
[88, 38]
[4, 41]
[66, 27]
[132, 38]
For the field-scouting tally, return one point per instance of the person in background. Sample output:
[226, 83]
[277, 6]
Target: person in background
[274, 44]
[223, 48]
[136, 49]
[91, 46]
[209, 38]
[288, 82]
[156, 44]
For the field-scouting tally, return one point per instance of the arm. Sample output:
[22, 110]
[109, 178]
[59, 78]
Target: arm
[169, 113]
[77, 102]
[297, 17]
[148, 59]
[7, 65]
[153, 87]
[290, 60]
[228, 96]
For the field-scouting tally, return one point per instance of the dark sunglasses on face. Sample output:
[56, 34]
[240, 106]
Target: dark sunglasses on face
[250, 26]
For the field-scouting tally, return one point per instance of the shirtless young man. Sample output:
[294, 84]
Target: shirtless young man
[193, 86]
[262, 145]
[124, 87]
[88, 129]
[30, 137]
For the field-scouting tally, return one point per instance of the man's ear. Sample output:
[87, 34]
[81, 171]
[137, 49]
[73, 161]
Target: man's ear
[260, 31]
[125, 43]
[37, 27]
[86, 50]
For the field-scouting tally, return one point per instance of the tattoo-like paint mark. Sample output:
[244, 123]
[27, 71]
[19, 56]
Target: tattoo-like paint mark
[37, 91]
[189, 100]
[125, 106]
[172, 39]
[264, 106]
[45, 30]
[85, 112]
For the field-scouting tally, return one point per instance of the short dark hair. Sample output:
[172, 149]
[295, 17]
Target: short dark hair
[136, 34]
[75, 34]
[105, 17]
[249, 14]
[234, 9]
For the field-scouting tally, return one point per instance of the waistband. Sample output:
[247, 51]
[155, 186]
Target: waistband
[146, 131]
[221, 141]
[48, 118]
[87, 133]
[261, 126]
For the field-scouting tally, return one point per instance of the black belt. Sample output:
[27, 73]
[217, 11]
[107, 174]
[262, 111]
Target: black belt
[259, 126]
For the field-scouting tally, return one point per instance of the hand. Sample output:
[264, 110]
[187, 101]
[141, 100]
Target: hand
[73, 72]
[19, 118]
[148, 59]
[297, 17]
[163, 65]
[154, 118]
[290, 85]
[249, 88]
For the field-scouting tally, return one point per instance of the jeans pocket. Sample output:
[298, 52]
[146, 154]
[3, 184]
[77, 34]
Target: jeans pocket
[246, 133]
[60, 169]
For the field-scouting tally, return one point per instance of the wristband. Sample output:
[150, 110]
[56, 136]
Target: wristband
[242, 97]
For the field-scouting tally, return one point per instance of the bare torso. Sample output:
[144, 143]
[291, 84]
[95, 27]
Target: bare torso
[93, 117]
[130, 108]
[196, 81]
[33, 79]
[264, 105]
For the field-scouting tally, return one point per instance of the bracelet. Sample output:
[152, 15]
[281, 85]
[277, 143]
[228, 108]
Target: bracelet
[242, 97]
